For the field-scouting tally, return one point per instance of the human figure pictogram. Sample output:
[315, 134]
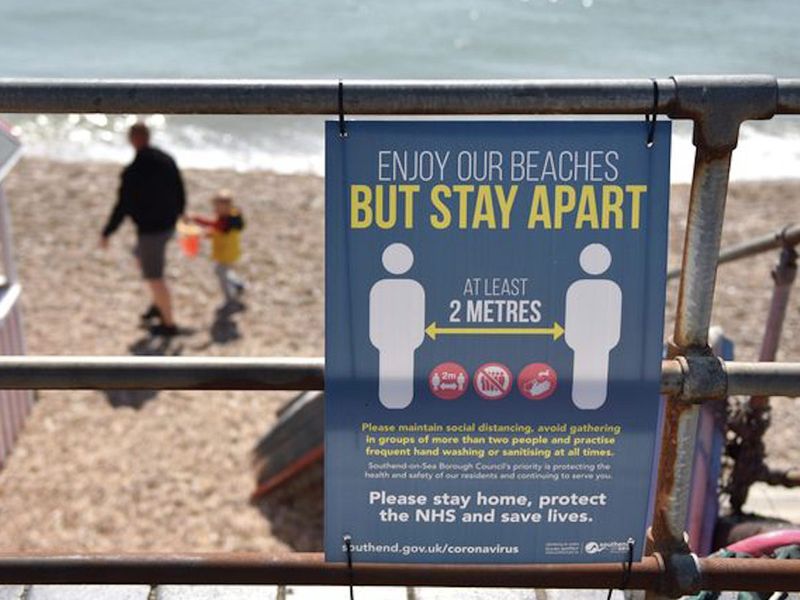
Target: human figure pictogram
[592, 324]
[396, 327]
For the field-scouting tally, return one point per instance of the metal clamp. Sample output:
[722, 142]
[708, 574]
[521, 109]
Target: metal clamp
[718, 106]
[681, 574]
[704, 378]
[785, 271]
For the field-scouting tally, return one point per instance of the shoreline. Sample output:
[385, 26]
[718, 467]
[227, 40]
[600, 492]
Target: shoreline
[294, 144]
[310, 171]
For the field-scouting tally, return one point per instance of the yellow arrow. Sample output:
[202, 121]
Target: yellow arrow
[556, 330]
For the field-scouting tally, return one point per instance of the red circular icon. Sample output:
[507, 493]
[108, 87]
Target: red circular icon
[448, 381]
[493, 381]
[537, 381]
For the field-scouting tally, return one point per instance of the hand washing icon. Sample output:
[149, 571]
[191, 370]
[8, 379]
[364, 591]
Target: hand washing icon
[537, 381]
[537, 388]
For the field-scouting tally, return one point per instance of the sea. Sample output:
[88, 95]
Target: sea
[381, 39]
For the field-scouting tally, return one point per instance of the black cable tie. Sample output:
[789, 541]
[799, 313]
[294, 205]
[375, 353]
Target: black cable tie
[342, 128]
[626, 573]
[783, 236]
[348, 541]
[626, 578]
[651, 118]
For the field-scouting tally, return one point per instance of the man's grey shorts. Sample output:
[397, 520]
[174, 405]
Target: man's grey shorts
[151, 251]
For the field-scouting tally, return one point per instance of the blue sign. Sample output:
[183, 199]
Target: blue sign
[494, 316]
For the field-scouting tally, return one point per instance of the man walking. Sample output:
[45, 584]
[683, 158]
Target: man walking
[150, 193]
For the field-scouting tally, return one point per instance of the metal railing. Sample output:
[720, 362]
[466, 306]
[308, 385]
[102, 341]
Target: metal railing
[310, 569]
[682, 377]
[747, 422]
[787, 237]
[15, 404]
[716, 105]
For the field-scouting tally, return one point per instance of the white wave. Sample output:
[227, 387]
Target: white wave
[101, 138]
[766, 151]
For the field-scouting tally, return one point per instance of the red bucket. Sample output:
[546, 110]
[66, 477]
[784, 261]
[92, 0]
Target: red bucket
[189, 239]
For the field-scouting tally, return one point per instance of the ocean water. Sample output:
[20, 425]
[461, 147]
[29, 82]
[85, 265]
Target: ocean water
[382, 39]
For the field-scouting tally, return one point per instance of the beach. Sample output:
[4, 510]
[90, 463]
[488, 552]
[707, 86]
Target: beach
[171, 471]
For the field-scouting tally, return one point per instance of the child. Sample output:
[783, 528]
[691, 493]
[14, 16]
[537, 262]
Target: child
[225, 230]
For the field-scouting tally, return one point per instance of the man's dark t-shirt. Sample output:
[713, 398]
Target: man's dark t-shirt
[151, 193]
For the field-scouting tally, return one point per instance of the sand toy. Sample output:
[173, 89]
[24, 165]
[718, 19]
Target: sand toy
[189, 236]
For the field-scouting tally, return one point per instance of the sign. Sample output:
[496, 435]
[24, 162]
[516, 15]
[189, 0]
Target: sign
[494, 315]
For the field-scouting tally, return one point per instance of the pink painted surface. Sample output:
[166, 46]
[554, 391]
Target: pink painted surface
[766, 543]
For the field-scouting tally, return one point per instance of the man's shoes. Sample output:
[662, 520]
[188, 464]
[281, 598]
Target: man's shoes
[232, 306]
[240, 288]
[151, 313]
[164, 330]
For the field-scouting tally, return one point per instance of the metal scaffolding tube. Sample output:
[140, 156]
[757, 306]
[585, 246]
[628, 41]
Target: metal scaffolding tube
[364, 97]
[157, 372]
[718, 107]
[701, 250]
[789, 96]
[690, 339]
[310, 569]
[764, 379]
[790, 236]
[688, 379]
[369, 97]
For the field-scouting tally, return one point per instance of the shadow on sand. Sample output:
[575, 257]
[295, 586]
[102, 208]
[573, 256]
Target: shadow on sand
[289, 467]
[224, 329]
[296, 512]
[147, 345]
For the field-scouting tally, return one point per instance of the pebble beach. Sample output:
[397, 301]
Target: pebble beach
[172, 470]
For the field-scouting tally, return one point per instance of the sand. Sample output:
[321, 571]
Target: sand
[171, 471]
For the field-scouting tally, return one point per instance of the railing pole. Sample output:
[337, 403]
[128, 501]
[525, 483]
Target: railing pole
[701, 249]
[718, 109]
[695, 297]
